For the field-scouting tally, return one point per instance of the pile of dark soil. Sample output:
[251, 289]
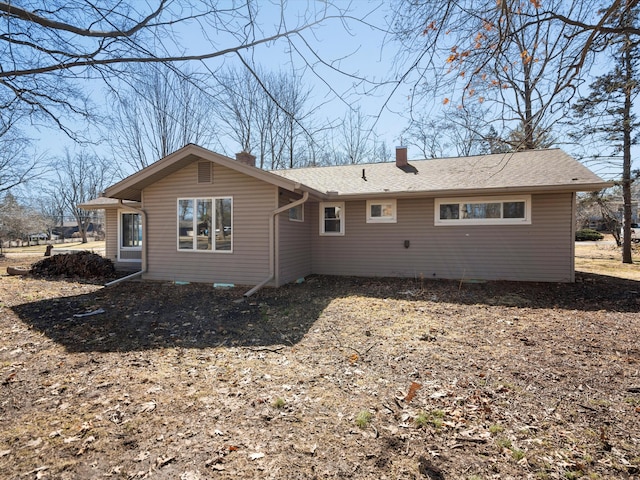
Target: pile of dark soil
[83, 264]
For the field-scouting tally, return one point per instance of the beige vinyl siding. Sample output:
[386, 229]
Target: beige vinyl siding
[111, 234]
[131, 255]
[541, 251]
[294, 254]
[253, 201]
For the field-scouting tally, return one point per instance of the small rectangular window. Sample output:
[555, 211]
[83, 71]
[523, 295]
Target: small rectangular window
[381, 211]
[514, 209]
[449, 211]
[483, 211]
[332, 218]
[296, 214]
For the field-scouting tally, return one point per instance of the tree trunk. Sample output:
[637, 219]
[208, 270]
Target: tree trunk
[626, 155]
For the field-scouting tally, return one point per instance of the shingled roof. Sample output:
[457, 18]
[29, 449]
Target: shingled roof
[532, 170]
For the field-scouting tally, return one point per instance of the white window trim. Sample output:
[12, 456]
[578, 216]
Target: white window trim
[483, 221]
[121, 248]
[301, 207]
[213, 206]
[390, 219]
[342, 219]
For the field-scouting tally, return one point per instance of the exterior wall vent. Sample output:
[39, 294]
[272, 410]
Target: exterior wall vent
[204, 172]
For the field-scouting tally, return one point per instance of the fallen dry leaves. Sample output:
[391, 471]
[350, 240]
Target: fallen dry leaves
[462, 381]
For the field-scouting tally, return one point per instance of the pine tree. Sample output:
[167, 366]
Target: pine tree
[609, 107]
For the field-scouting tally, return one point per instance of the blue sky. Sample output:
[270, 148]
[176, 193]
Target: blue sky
[355, 49]
[359, 49]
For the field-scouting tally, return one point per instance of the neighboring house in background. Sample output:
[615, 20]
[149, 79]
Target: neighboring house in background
[123, 231]
[68, 229]
[199, 216]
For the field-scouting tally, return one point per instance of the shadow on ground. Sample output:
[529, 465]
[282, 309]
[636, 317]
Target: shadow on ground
[140, 316]
[143, 315]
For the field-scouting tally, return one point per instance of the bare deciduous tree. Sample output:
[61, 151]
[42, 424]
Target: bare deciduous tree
[427, 135]
[459, 132]
[508, 55]
[354, 144]
[161, 111]
[80, 177]
[235, 103]
[16, 165]
[46, 49]
[265, 113]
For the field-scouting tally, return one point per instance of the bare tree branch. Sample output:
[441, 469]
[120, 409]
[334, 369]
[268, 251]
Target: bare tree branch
[15, 12]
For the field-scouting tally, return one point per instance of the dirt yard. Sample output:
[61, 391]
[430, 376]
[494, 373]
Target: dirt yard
[332, 378]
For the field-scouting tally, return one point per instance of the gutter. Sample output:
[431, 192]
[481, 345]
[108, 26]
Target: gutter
[143, 214]
[480, 192]
[272, 241]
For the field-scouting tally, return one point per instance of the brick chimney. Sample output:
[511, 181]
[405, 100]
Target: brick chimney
[401, 157]
[246, 158]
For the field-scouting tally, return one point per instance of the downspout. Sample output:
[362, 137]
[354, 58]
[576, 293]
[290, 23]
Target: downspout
[572, 274]
[144, 245]
[272, 241]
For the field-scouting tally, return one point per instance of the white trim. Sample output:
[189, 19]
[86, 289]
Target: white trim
[194, 245]
[121, 248]
[393, 218]
[341, 218]
[483, 221]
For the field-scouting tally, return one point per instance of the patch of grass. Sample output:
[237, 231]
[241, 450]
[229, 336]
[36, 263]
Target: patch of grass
[363, 418]
[279, 403]
[496, 428]
[503, 443]
[517, 454]
[437, 422]
[434, 417]
[421, 420]
[573, 474]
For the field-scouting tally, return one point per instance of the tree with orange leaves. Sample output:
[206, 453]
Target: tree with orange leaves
[519, 57]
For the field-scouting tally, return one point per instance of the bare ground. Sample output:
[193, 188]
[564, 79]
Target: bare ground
[332, 378]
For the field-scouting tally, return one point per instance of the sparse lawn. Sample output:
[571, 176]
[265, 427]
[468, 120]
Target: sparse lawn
[40, 249]
[606, 259]
[333, 378]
